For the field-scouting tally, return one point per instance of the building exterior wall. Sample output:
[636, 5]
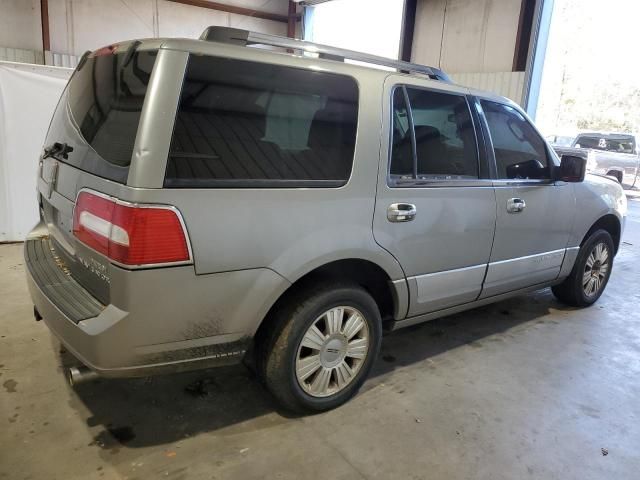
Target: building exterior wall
[463, 36]
[507, 84]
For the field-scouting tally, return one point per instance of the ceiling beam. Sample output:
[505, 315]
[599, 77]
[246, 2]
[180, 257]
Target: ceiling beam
[291, 20]
[249, 12]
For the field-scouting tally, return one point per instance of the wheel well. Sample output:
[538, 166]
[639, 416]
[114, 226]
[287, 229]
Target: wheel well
[615, 173]
[363, 272]
[611, 224]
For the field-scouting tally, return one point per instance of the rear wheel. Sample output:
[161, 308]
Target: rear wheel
[321, 348]
[590, 273]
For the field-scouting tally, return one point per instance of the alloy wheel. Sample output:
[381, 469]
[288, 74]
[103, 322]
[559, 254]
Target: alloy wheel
[332, 351]
[596, 269]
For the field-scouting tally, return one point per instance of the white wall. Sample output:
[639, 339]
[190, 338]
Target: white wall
[20, 24]
[79, 25]
[28, 96]
[176, 20]
[464, 36]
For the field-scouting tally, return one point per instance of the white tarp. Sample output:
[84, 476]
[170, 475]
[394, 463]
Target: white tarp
[28, 96]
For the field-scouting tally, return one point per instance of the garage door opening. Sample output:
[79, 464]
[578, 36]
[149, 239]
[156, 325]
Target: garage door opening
[371, 26]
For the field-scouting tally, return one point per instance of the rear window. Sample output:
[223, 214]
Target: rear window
[100, 109]
[609, 143]
[248, 124]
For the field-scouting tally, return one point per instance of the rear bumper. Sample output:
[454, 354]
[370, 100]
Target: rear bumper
[175, 320]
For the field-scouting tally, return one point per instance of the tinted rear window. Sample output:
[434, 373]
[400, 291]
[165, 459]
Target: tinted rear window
[101, 109]
[248, 124]
[609, 143]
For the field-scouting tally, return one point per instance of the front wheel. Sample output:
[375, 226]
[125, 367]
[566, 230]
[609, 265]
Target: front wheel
[321, 348]
[590, 273]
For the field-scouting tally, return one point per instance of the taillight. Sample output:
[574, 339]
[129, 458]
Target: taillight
[133, 234]
[108, 50]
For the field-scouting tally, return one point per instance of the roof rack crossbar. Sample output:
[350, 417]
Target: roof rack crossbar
[246, 38]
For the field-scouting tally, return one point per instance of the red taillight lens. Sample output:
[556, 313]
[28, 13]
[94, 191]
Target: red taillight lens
[130, 234]
[108, 50]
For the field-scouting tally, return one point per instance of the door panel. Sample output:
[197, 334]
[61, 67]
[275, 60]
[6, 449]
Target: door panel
[452, 230]
[445, 247]
[534, 214]
[453, 287]
[522, 272]
[529, 246]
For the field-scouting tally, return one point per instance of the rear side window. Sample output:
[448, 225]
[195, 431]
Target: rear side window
[248, 124]
[433, 136]
[100, 109]
[521, 153]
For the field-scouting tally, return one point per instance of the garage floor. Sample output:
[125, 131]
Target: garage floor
[526, 388]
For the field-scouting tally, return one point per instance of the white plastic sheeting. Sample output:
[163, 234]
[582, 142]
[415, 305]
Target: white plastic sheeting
[28, 96]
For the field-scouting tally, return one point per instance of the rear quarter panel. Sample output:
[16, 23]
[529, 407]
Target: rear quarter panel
[288, 230]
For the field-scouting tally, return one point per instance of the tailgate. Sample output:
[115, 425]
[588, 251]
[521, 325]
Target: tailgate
[90, 144]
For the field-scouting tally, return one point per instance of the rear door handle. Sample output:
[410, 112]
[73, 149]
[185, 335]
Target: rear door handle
[515, 205]
[401, 212]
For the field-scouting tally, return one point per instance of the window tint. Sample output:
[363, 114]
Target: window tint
[401, 149]
[254, 124]
[519, 150]
[445, 139]
[445, 143]
[103, 101]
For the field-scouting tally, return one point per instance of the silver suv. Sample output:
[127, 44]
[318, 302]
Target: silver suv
[203, 202]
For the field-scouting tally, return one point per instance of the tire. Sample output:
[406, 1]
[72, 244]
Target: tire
[573, 290]
[288, 351]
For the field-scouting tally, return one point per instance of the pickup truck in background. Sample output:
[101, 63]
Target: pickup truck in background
[611, 154]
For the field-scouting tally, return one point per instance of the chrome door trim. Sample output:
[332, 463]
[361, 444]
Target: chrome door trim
[434, 291]
[414, 320]
[515, 273]
[523, 182]
[419, 183]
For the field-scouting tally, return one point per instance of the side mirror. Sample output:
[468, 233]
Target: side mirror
[571, 169]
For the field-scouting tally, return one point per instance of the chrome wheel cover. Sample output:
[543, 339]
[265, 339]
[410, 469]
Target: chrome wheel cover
[332, 351]
[596, 269]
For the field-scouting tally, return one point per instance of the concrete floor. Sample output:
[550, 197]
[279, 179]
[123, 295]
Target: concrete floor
[526, 388]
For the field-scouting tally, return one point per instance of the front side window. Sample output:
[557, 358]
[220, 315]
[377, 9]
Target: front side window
[433, 138]
[521, 153]
[248, 124]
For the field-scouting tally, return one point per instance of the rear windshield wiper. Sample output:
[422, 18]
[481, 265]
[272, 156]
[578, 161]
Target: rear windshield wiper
[57, 148]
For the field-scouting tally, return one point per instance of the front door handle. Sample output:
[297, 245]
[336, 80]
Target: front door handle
[401, 212]
[515, 205]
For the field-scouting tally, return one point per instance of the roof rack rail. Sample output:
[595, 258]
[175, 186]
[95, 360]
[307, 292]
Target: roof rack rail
[238, 36]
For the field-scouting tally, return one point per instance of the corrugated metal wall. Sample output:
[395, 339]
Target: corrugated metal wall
[21, 56]
[507, 84]
[35, 57]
